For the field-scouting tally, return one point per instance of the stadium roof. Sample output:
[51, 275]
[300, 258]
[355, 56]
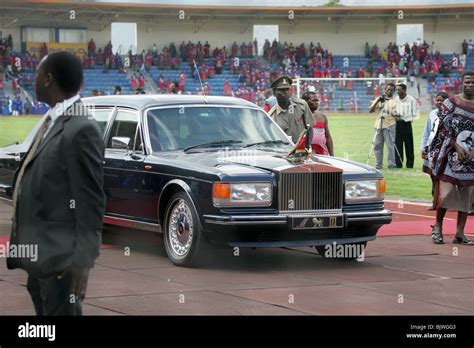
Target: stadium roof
[98, 14]
[272, 5]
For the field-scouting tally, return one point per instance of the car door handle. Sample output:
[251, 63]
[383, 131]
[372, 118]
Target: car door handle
[136, 157]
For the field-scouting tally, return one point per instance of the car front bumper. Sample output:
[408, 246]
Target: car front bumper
[278, 230]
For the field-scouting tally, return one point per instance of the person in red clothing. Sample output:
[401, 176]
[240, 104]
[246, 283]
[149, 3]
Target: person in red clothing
[100, 57]
[457, 85]
[203, 73]
[227, 88]
[15, 84]
[161, 83]
[376, 91]
[134, 83]
[182, 83]
[141, 81]
[207, 49]
[91, 47]
[316, 72]
[44, 50]
[149, 60]
[11, 60]
[219, 65]
[250, 50]
[210, 72]
[321, 141]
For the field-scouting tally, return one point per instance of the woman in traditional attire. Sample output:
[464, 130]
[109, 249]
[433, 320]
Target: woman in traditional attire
[450, 160]
[321, 141]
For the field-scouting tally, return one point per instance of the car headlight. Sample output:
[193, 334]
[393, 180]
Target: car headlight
[359, 191]
[242, 194]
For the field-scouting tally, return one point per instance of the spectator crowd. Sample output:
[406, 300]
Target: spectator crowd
[252, 71]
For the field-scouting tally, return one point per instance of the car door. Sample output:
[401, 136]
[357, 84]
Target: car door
[10, 159]
[123, 164]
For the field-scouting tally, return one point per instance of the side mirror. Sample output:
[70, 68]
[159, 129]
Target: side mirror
[120, 143]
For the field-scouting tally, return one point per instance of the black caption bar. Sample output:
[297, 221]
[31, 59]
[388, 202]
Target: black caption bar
[331, 330]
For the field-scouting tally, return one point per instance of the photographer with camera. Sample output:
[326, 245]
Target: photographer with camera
[385, 127]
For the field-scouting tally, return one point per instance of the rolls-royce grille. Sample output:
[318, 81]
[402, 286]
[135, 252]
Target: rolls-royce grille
[310, 191]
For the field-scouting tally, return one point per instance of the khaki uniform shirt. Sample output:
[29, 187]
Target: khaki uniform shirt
[385, 118]
[293, 120]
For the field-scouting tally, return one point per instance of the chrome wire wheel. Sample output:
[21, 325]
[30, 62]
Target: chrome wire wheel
[180, 229]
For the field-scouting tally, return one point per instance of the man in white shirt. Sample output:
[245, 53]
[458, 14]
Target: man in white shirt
[404, 108]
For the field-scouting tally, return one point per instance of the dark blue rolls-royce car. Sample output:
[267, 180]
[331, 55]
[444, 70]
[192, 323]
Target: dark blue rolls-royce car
[213, 170]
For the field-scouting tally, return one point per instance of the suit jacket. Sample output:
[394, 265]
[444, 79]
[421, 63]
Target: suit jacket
[61, 200]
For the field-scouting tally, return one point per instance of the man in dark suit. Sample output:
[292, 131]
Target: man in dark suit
[58, 197]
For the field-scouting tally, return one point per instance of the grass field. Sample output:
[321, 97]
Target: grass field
[352, 137]
[15, 129]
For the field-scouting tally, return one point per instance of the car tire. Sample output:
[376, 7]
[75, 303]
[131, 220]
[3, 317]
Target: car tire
[184, 241]
[322, 250]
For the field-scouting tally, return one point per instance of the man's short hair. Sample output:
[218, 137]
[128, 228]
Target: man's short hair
[66, 69]
[307, 95]
[467, 73]
[118, 88]
[442, 94]
[390, 84]
[404, 86]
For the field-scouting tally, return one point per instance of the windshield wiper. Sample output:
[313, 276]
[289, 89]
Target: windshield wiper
[15, 143]
[268, 142]
[213, 143]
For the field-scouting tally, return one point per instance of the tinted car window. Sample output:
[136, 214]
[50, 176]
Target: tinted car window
[177, 128]
[101, 116]
[138, 147]
[125, 125]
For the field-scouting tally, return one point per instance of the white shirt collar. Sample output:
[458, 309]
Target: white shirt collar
[59, 108]
[404, 99]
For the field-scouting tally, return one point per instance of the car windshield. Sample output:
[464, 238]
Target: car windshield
[184, 127]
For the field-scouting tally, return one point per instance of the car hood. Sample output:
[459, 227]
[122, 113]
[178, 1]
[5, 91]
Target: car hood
[13, 149]
[236, 162]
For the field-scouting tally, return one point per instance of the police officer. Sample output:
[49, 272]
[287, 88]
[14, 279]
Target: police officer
[290, 113]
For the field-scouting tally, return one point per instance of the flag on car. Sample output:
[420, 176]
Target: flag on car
[302, 150]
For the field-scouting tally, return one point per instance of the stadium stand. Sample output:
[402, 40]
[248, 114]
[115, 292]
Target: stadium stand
[240, 73]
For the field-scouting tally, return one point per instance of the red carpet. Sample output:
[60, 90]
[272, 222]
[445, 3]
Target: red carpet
[414, 219]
